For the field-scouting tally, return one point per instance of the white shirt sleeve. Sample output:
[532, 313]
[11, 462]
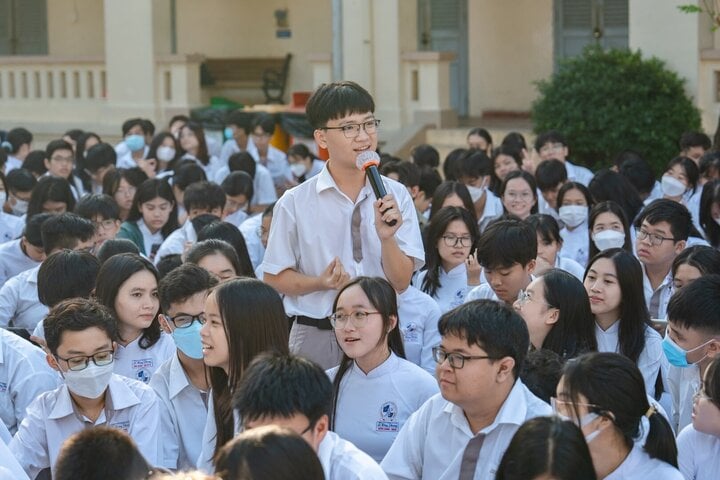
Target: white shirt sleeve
[32, 383]
[145, 429]
[404, 460]
[282, 248]
[263, 187]
[169, 431]
[9, 298]
[29, 445]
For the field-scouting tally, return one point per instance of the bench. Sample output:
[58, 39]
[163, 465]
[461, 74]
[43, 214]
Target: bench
[269, 74]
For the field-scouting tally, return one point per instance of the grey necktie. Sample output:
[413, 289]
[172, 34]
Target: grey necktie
[470, 457]
[356, 234]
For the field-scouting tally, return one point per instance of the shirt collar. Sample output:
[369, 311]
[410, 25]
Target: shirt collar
[118, 397]
[612, 329]
[177, 380]
[325, 181]
[33, 274]
[388, 366]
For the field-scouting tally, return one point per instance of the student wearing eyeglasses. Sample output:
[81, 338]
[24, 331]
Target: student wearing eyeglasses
[81, 336]
[463, 432]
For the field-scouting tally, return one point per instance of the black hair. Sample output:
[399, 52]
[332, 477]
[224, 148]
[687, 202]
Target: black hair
[692, 173]
[408, 173]
[541, 373]
[695, 139]
[132, 122]
[574, 186]
[265, 121]
[613, 387]
[112, 275]
[429, 181]
[148, 126]
[666, 210]
[425, 155]
[529, 179]
[494, 327]
[610, 185]
[33, 228]
[231, 234]
[65, 231]
[186, 173]
[212, 246]
[553, 136]
[514, 140]
[76, 315]
[66, 274]
[547, 447]
[35, 162]
[709, 165]
[331, 101]
[383, 299]
[697, 306]
[157, 142]
[244, 162]
[238, 183]
[446, 189]
[115, 246]
[710, 196]
[182, 283]
[168, 263]
[56, 145]
[135, 176]
[450, 163]
[712, 381]
[204, 195]
[17, 137]
[20, 180]
[634, 317]
[546, 227]
[147, 191]
[178, 118]
[482, 133]
[100, 156]
[202, 154]
[608, 207]
[473, 164]
[300, 150]
[435, 231]
[74, 134]
[704, 258]
[505, 243]
[98, 205]
[53, 189]
[241, 120]
[637, 170]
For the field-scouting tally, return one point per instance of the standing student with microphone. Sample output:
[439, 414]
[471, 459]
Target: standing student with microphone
[332, 228]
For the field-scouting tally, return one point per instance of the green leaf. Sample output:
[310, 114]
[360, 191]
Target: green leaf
[689, 8]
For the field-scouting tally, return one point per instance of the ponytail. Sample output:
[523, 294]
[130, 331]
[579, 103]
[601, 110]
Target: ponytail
[660, 442]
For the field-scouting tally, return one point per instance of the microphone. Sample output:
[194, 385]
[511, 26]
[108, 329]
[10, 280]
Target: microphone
[368, 161]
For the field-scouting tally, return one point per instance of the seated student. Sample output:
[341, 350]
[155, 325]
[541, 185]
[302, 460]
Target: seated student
[303, 164]
[451, 194]
[19, 305]
[506, 159]
[408, 174]
[557, 312]
[238, 188]
[176, 122]
[693, 263]
[17, 144]
[60, 161]
[133, 147]
[452, 267]
[430, 180]
[84, 143]
[474, 170]
[373, 375]
[10, 225]
[127, 285]
[165, 150]
[26, 252]
[293, 392]
[185, 173]
[237, 133]
[550, 175]
[450, 164]
[194, 147]
[35, 163]
[51, 195]
[218, 258]
[541, 373]
[549, 245]
[230, 234]
[263, 127]
[692, 341]
[699, 443]
[547, 447]
[80, 337]
[552, 144]
[263, 187]
[99, 160]
[152, 218]
[694, 145]
[709, 167]
[114, 247]
[574, 202]
[609, 185]
[481, 403]
[418, 315]
[121, 184]
[255, 231]
[603, 394]
[519, 194]
[72, 136]
[102, 210]
[181, 382]
[710, 212]
[608, 228]
[506, 251]
[425, 156]
[199, 198]
[20, 184]
[680, 184]
[480, 139]
[662, 230]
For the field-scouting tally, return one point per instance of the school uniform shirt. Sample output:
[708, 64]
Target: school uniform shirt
[341, 460]
[138, 363]
[544, 207]
[312, 225]
[211, 169]
[482, 292]
[13, 260]
[237, 218]
[249, 229]
[5, 436]
[453, 287]
[638, 465]
[682, 384]
[24, 375]
[698, 454]
[230, 147]
[576, 243]
[576, 173]
[151, 241]
[209, 435]
[570, 266]
[373, 407]
[493, 209]
[76, 185]
[125, 158]
[431, 444]
[183, 411]
[655, 193]
[175, 242]
[691, 200]
[19, 304]
[10, 469]
[11, 227]
[650, 358]
[657, 300]
[276, 161]
[264, 192]
[12, 163]
[418, 315]
[129, 406]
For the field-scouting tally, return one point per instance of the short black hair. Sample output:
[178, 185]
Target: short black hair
[430, 180]
[20, 180]
[241, 120]
[637, 170]
[99, 156]
[187, 173]
[494, 327]
[35, 162]
[33, 228]
[505, 243]
[666, 210]
[17, 137]
[697, 305]
[98, 205]
[549, 174]
[238, 183]
[474, 163]
[425, 156]
[408, 173]
[115, 246]
[541, 373]
[553, 136]
[65, 231]
[695, 139]
[335, 100]
[278, 385]
[50, 188]
[243, 162]
[230, 234]
[545, 226]
[204, 195]
[168, 263]
[450, 164]
[131, 122]
[76, 315]
[266, 122]
[182, 283]
[66, 274]
[56, 145]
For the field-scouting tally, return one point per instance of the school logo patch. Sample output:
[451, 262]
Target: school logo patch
[141, 366]
[411, 333]
[3, 387]
[125, 426]
[388, 418]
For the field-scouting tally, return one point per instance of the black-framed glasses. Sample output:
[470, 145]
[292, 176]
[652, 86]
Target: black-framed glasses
[456, 360]
[184, 321]
[655, 239]
[352, 130]
[454, 240]
[358, 319]
[80, 362]
[105, 224]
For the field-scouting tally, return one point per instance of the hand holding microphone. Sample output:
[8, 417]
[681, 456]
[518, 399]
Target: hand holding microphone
[368, 161]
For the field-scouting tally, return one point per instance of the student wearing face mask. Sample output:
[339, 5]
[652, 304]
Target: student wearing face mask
[603, 394]
[303, 164]
[608, 228]
[20, 184]
[574, 202]
[10, 225]
[132, 148]
[474, 170]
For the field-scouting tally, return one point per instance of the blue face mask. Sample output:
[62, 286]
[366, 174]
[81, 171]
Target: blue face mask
[676, 355]
[135, 142]
[188, 340]
[228, 133]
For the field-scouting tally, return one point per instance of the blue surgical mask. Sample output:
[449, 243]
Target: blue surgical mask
[228, 133]
[135, 142]
[188, 340]
[676, 355]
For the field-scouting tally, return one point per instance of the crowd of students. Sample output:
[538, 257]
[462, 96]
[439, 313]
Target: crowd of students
[229, 310]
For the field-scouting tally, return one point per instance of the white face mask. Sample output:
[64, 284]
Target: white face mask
[90, 382]
[298, 169]
[608, 239]
[476, 192]
[672, 187]
[20, 208]
[165, 153]
[573, 215]
[587, 419]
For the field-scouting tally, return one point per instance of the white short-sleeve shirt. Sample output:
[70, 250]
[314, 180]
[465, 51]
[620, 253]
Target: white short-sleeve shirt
[341, 460]
[13, 260]
[683, 383]
[570, 266]
[665, 291]
[638, 465]
[576, 173]
[249, 229]
[138, 363]
[276, 161]
[19, 303]
[453, 287]
[698, 454]
[418, 316]
[576, 243]
[175, 242]
[11, 227]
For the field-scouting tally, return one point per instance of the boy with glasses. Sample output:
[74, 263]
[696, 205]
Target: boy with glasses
[60, 162]
[81, 336]
[263, 128]
[104, 212]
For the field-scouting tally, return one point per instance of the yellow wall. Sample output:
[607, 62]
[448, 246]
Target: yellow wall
[75, 27]
[511, 46]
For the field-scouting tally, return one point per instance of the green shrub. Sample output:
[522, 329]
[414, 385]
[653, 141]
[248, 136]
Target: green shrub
[608, 101]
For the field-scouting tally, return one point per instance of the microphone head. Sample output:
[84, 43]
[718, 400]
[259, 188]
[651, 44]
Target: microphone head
[367, 159]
